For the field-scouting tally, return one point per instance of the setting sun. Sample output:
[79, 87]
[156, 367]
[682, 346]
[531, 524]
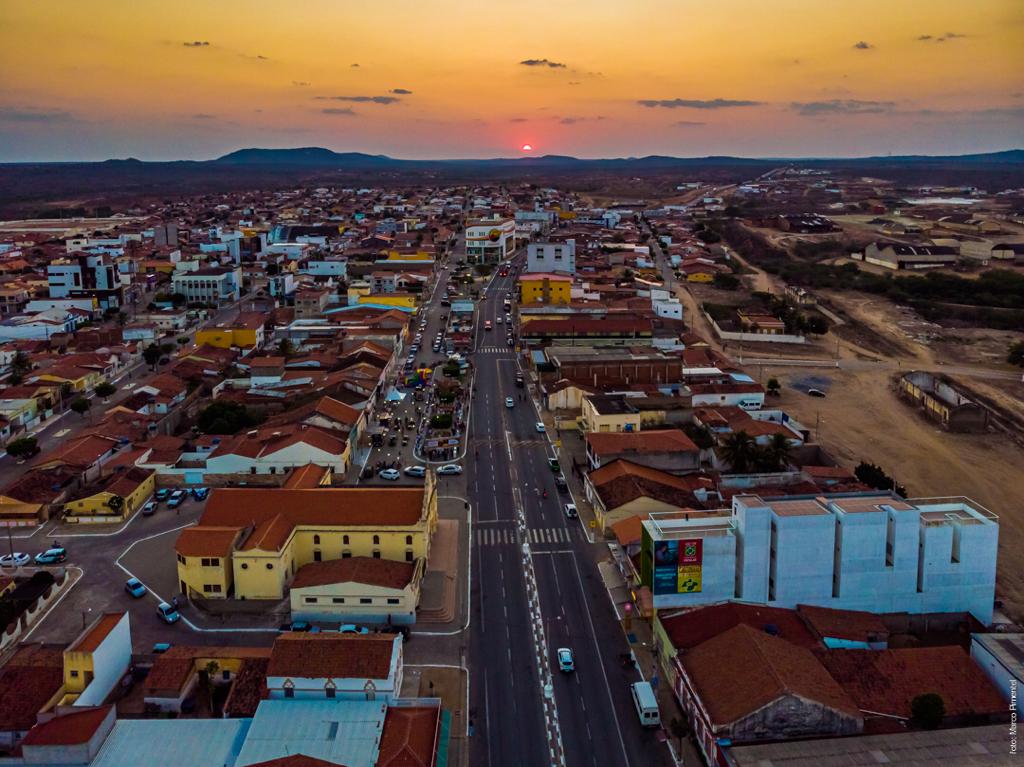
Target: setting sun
[527, 147]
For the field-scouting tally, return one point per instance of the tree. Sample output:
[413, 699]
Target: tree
[726, 281]
[183, 340]
[151, 354]
[166, 348]
[105, 389]
[80, 405]
[776, 452]
[226, 418]
[873, 476]
[206, 681]
[680, 729]
[927, 710]
[20, 365]
[122, 318]
[286, 348]
[740, 451]
[774, 387]
[23, 447]
[1016, 354]
[115, 503]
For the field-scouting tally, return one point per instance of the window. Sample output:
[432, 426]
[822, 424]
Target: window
[273, 470]
[346, 554]
[393, 601]
[270, 565]
[365, 601]
[338, 600]
[376, 554]
[74, 674]
[245, 565]
[181, 559]
[376, 540]
[408, 540]
[211, 588]
[252, 469]
[316, 555]
[344, 540]
[225, 675]
[289, 692]
[210, 562]
[408, 556]
[330, 692]
[310, 600]
[316, 540]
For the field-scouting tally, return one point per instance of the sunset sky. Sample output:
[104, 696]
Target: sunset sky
[94, 79]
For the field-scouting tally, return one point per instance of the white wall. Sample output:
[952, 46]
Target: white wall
[110, 661]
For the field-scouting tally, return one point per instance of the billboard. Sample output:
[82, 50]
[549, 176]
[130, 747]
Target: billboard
[678, 566]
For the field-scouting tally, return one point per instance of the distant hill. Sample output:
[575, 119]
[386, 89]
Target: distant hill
[310, 155]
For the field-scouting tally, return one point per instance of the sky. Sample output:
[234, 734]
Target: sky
[194, 79]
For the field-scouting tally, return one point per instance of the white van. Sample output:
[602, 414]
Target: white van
[646, 704]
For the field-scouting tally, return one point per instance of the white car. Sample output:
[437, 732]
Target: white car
[565, 660]
[449, 468]
[17, 559]
[391, 474]
[416, 471]
[570, 511]
[499, 320]
[509, 402]
[540, 428]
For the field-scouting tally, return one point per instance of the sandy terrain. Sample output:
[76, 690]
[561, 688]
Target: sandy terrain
[862, 418]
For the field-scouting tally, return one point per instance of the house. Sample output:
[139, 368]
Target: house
[73, 737]
[276, 451]
[1001, 657]
[175, 674]
[897, 255]
[764, 324]
[96, 660]
[251, 542]
[603, 413]
[33, 682]
[85, 455]
[668, 450]
[941, 401]
[341, 666]
[621, 489]
[548, 257]
[113, 498]
[357, 590]
[245, 332]
[545, 288]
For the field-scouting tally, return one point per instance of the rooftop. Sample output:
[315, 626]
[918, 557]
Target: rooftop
[366, 570]
[334, 656]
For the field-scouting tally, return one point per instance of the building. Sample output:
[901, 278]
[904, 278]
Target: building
[490, 241]
[1008, 251]
[868, 551]
[246, 332]
[668, 450]
[545, 288]
[941, 401]
[1001, 657]
[113, 498]
[210, 285]
[339, 666]
[551, 257]
[897, 255]
[311, 302]
[250, 543]
[609, 413]
[357, 590]
[622, 489]
[97, 660]
[86, 276]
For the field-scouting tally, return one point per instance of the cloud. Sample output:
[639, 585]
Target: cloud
[203, 116]
[953, 35]
[300, 83]
[17, 115]
[688, 124]
[354, 66]
[942, 38]
[863, 45]
[197, 44]
[401, 91]
[841, 106]
[362, 99]
[261, 57]
[923, 38]
[697, 103]
[339, 111]
[573, 120]
[574, 82]
[518, 120]
[542, 63]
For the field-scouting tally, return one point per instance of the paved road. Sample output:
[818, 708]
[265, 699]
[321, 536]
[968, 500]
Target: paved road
[507, 472]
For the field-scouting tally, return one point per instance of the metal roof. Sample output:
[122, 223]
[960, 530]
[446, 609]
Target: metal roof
[172, 743]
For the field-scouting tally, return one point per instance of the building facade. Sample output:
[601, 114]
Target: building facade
[551, 257]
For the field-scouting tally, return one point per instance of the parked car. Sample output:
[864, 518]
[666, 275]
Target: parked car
[416, 471]
[554, 465]
[449, 468]
[161, 647]
[17, 559]
[52, 556]
[200, 493]
[565, 660]
[162, 494]
[816, 392]
[176, 499]
[561, 484]
[167, 613]
[540, 427]
[134, 587]
[570, 511]
[390, 474]
[519, 380]
[509, 402]
[352, 628]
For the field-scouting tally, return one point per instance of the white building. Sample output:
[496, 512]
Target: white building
[344, 666]
[872, 552]
[551, 257]
[85, 276]
[491, 240]
[326, 267]
[213, 285]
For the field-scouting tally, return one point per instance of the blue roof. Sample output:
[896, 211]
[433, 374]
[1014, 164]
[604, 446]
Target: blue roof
[173, 742]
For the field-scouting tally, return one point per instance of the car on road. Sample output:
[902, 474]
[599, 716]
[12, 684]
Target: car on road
[449, 468]
[168, 613]
[149, 509]
[561, 484]
[200, 493]
[519, 380]
[816, 392]
[570, 511]
[17, 559]
[540, 427]
[416, 471]
[134, 587]
[352, 628]
[52, 556]
[566, 662]
[511, 341]
[487, 325]
[509, 402]
[162, 494]
[499, 320]
[176, 499]
[391, 474]
[554, 465]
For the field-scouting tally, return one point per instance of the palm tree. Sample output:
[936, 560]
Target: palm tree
[776, 452]
[740, 451]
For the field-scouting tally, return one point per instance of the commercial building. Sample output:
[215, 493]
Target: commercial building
[545, 288]
[490, 240]
[212, 285]
[896, 255]
[551, 257]
[865, 551]
[86, 276]
[246, 332]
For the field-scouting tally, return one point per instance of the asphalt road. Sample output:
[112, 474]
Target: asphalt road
[507, 474]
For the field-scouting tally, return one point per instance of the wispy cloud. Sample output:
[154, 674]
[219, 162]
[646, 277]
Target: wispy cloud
[841, 106]
[697, 103]
[203, 116]
[941, 38]
[362, 99]
[354, 66]
[863, 45]
[542, 63]
[21, 115]
[197, 44]
[339, 111]
[401, 91]
[688, 124]
[517, 120]
[300, 83]
[571, 120]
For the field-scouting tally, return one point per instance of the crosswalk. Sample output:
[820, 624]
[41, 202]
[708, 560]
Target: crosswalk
[493, 349]
[501, 536]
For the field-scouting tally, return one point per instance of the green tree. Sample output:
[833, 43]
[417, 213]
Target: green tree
[105, 389]
[927, 710]
[226, 418]
[873, 476]
[183, 340]
[1016, 354]
[774, 387]
[151, 354]
[679, 729]
[166, 348]
[740, 451]
[23, 447]
[776, 452]
[726, 281]
[115, 503]
[80, 405]
[286, 348]
[20, 365]
[206, 681]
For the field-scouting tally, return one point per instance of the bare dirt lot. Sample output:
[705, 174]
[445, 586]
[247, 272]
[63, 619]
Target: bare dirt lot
[862, 418]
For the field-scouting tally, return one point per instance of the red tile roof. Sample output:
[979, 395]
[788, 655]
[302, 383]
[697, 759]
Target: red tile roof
[366, 570]
[28, 682]
[335, 656]
[887, 681]
[297, 760]
[622, 481]
[209, 541]
[100, 630]
[692, 627]
[68, 729]
[854, 625]
[306, 477]
[409, 737]
[641, 442]
[744, 669]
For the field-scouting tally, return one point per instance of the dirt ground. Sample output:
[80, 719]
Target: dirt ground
[862, 418]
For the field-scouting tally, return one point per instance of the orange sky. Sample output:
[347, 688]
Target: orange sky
[449, 78]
